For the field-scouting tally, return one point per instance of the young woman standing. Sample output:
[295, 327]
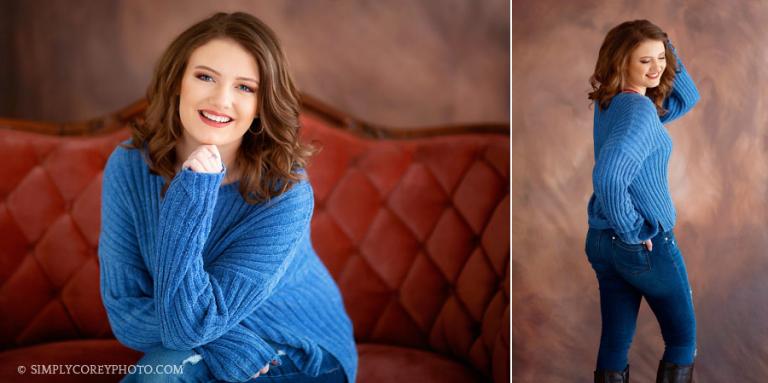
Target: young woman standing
[639, 84]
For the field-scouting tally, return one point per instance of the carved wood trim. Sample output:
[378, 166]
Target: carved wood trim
[310, 105]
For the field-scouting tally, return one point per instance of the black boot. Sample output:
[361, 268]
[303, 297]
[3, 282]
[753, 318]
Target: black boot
[602, 376]
[673, 373]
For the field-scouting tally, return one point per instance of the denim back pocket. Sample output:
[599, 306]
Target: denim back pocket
[631, 258]
[671, 249]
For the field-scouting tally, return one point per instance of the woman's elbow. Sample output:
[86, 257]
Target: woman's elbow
[171, 340]
[181, 335]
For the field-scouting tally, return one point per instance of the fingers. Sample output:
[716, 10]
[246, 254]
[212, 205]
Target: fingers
[214, 149]
[204, 159]
[649, 245]
[261, 372]
[195, 165]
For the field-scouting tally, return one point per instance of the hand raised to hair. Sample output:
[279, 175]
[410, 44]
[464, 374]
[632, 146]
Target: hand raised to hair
[204, 159]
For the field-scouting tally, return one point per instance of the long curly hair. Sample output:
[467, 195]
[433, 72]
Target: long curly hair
[613, 60]
[270, 154]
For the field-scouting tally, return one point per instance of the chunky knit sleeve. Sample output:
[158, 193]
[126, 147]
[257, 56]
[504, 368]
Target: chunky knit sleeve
[196, 305]
[629, 143]
[684, 94]
[128, 295]
[126, 288]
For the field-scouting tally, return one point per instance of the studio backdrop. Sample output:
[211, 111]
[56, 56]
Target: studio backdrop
[718, 177]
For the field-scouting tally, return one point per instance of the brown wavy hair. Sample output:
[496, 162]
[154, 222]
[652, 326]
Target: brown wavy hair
[270, 155]
[613, 60]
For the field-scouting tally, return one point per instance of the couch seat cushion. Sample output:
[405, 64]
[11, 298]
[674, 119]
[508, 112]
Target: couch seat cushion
[378, 363]
[90, 352]
[382, 363]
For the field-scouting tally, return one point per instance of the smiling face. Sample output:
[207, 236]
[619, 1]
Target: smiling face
[646, 65]
[218, 98]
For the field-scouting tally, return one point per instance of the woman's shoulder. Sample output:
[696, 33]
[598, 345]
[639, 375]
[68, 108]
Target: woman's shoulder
[300, 190]
[630, 102]
[298, 197]
[123, 159]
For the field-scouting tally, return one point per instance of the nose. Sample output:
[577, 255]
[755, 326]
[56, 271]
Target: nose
[221, 97]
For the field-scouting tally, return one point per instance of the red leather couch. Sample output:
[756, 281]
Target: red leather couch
[413, 225]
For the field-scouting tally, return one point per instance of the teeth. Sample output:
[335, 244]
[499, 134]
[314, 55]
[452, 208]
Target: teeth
[216, 118]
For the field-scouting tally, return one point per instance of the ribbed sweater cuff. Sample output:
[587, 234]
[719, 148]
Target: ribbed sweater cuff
[237, 355]
[197, 184]
[630, 237]
[639, 235]
[683, 83]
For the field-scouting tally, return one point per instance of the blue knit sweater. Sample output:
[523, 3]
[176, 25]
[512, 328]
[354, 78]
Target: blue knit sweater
[632, 150]
[202, 270]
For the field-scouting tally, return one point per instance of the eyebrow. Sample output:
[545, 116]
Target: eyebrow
[219, 74]
[650, 57]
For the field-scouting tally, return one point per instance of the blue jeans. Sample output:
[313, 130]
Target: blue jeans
[158, 366]
[626, 273]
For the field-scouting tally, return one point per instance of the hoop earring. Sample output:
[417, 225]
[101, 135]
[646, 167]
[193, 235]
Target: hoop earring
[256, 121]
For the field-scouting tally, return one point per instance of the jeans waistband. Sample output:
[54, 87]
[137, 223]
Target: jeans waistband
[659, 234]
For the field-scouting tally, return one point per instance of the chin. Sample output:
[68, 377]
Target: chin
[209, 138]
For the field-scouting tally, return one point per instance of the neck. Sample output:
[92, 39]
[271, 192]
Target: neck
[638, 89]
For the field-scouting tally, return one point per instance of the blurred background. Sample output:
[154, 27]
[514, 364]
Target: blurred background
[400, 63]
[718, 179]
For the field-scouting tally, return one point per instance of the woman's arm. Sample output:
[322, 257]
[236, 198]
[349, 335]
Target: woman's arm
[127, 292]
[629, 143]
[233, 357]
[125, 285]
[684, 94]
[197, 305]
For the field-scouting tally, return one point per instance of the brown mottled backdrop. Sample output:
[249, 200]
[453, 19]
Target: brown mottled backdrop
[401, 63]
[718, 178]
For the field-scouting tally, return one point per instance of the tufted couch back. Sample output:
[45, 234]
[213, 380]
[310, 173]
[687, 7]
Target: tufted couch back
[415, 231]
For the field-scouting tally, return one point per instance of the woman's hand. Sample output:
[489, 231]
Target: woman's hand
[648, 244]
[204, 159]
[262, 371]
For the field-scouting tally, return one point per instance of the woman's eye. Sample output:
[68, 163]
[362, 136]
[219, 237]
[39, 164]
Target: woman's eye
[204, 77]
[245, 88]
[645, 62]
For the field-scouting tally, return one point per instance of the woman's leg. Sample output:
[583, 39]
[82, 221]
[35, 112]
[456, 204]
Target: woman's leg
[619, 304]
[673, 307]
[668, 292]
[164, 365]
[330, 372]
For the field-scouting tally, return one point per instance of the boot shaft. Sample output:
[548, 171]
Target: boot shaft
[673, 373]
[602, 376]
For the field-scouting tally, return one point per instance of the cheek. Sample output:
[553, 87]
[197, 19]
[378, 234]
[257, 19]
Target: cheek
[185, 98]
[191, 93]
[637, 72]
[246, 110]
[247, 107]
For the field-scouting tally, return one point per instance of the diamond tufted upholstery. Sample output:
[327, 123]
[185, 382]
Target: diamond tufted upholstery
[415, 231]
